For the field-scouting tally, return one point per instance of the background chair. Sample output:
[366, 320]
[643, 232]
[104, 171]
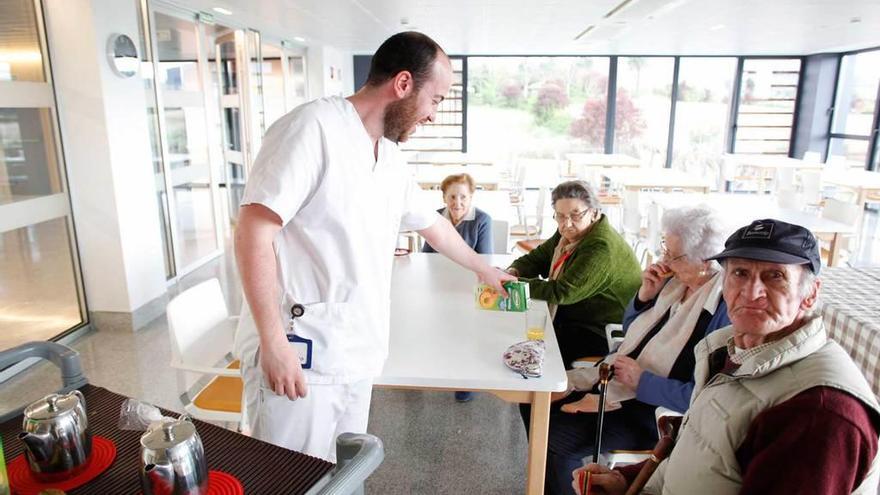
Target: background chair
[202, 335]
[501, 236]
[842, 212]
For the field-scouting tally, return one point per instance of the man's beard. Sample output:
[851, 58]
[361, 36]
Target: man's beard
[400, 117]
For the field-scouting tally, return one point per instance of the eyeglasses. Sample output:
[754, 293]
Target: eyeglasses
[664, 251]
[575, 216]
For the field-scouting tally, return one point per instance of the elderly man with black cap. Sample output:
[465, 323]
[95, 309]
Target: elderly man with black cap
[777, 406]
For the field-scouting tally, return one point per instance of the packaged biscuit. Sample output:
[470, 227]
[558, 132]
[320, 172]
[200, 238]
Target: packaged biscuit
[487, 298]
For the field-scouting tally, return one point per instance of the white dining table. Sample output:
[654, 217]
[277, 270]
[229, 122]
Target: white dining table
[665, 179]
[441, 341]
[737, 210]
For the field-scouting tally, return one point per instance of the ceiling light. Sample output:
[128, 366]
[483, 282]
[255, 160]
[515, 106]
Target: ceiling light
[855, 20]
[300, 39]
[716, 27]
[221, 10]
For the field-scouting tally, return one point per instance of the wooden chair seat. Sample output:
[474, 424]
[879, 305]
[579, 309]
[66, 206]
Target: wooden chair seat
[528, 245]
[223, 393]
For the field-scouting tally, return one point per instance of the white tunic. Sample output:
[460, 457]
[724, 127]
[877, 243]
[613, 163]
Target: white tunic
[341, 212]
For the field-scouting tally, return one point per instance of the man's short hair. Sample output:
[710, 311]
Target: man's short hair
[407, 51]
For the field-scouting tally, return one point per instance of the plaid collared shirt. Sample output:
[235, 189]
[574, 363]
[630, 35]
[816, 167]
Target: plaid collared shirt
[739, 356]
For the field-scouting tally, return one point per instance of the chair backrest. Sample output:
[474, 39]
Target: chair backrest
[841, 211]
[784, 178]
[539, 208]
[811, 186]
[195, 325]
[790, 199]
[500, 236]
[813, 157]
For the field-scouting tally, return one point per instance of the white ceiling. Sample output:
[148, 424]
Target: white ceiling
[511, 27]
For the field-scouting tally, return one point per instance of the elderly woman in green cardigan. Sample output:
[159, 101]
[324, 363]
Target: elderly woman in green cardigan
[586, 272]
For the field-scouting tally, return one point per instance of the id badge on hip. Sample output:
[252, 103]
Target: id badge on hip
[302, 345]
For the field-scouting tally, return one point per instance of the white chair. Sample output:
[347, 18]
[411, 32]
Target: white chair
[202, 335]
[784, 178]
[790, 199]
[501, 236]
[528, 229]
[842, 212]
[811, 187]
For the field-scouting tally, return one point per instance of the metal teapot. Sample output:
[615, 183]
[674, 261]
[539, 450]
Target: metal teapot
[173, 460]
[56, 436]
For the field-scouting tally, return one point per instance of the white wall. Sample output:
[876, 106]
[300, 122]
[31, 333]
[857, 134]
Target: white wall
[106, 145]
[320, 60]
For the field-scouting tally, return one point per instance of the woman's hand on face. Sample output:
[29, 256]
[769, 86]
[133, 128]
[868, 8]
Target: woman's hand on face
[653, 279]
[627, 372]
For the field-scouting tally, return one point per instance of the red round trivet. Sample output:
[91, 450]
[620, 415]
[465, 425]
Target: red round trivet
[22, 481]
[220, 483]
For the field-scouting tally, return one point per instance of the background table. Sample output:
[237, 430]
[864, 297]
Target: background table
[664, 179]
[737, 210]
[849, 302]
[441, 341]
[431, 176]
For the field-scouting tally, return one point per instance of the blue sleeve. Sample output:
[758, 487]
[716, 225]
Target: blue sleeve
[484, 235]
[670, 393]
[427, 248]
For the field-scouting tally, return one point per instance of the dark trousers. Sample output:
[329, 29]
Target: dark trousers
[576, 343]
[572, 436]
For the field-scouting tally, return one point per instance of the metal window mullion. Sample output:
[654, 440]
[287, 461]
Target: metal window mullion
[611, 105]
[464, 104]
[734, 105]
[671, 132]
[875, 134]
[797, 103]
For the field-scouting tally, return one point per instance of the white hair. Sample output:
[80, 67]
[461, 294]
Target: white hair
[807, 281]
[698, 228]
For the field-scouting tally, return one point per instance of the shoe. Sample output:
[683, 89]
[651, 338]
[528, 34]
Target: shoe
[464, 396]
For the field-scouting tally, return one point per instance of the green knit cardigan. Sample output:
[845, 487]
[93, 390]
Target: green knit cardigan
[599, 279]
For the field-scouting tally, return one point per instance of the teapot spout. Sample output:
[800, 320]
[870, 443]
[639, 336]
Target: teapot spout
[158, 479]
[38, 445]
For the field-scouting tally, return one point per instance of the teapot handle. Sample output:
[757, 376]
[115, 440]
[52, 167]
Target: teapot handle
[82, 398]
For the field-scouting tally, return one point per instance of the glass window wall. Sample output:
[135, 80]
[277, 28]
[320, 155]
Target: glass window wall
[643, 103]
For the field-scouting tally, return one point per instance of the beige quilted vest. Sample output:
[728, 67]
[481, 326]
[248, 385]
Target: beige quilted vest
[721, 410]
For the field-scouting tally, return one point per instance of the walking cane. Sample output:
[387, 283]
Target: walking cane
[669, 428]
[605, 373]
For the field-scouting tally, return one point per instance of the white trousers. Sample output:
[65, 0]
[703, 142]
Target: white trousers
[311, 424]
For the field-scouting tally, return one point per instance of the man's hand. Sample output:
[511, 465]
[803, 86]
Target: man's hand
[653, 279]
[281, 368]
[495, 278]
[602, 480]
[627, 372]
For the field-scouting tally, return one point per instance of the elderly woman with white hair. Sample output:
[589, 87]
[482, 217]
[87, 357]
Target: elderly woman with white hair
[678, 303]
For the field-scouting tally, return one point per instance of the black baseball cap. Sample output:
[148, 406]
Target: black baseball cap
[774, 241]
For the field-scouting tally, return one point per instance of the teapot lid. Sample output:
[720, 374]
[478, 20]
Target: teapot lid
[51, 406]
[169, 434]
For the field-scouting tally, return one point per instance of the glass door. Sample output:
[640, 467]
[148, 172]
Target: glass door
[179, 68]
[296, 78]
[41, 293]
[228, 55]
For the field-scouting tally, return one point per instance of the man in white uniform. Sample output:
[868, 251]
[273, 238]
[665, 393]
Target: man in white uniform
[327, 197]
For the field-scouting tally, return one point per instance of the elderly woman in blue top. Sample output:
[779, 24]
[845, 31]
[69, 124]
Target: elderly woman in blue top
[678, 303]
[474, 225]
